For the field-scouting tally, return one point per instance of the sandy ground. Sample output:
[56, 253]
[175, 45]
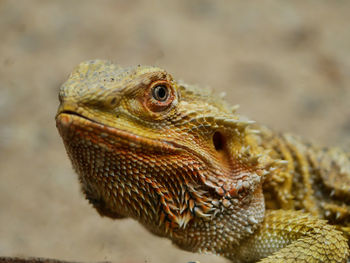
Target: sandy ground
[287, 63]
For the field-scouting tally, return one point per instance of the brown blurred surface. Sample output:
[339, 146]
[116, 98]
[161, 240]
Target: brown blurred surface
[286, 63]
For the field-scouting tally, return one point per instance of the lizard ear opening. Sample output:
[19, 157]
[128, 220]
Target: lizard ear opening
[218, 141]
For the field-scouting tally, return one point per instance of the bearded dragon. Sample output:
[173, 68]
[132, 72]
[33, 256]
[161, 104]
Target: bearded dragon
[188, 167]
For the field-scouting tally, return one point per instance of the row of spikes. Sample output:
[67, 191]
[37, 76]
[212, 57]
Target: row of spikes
[214, 122]
[193, 203]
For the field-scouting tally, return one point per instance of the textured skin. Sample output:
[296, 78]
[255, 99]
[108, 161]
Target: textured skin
[189, 168]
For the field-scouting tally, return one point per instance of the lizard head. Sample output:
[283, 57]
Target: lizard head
[154, 149]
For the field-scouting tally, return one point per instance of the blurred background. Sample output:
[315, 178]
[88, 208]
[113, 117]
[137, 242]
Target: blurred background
[287, 63]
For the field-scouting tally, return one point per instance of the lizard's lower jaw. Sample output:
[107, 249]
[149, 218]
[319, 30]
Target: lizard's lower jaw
[99, 158]
[122, 175]
[115, 168]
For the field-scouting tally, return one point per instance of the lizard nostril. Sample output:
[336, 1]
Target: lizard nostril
[219, 141]
[113, 101]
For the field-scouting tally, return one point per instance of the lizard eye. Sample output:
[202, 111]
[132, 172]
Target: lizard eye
[160, 92]
[160, 96]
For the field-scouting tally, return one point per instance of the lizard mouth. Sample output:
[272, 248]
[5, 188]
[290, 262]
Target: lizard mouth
[73, 113]
[73, 124]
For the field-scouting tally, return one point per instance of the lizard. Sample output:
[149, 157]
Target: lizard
[183, 163]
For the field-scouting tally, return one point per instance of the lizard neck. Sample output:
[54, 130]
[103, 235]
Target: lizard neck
[237, 220]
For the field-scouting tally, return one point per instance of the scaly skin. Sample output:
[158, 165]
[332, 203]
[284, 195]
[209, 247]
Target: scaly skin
[187, 167]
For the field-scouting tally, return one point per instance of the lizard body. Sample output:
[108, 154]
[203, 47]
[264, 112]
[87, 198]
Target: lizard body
[185, 165]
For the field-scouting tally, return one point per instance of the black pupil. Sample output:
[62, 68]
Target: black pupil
[160, 93]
